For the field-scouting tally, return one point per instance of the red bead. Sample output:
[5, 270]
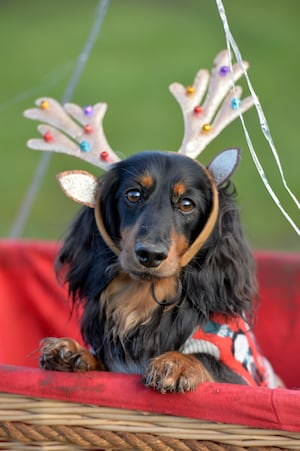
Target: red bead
[88, 128]
[198, 109]
[48, 137]
[104, 155]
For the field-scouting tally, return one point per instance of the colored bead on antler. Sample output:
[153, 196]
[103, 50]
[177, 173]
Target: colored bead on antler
[72, 130]
[219, 104]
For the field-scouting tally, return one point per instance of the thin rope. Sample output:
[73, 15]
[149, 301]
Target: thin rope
[231, 44]
[26, 206]
[50, 80]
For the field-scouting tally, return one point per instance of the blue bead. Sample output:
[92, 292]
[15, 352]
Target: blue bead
[235, 103]
[84, 146]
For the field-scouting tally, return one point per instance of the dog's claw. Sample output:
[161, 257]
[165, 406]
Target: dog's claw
[175, 372]
[65, 354]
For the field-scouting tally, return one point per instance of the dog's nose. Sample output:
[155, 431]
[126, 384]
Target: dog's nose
[151, 255]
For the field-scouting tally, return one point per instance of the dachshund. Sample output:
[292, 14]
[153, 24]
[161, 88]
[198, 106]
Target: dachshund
[144, 311]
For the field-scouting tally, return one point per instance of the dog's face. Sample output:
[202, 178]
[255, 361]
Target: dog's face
[154, 205]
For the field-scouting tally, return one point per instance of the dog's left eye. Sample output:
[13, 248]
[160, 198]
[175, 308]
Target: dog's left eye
[133, 195]
[186, 205]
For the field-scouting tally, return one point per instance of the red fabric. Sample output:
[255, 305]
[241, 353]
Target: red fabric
[226, 403]
[33, 306]
[278, 317]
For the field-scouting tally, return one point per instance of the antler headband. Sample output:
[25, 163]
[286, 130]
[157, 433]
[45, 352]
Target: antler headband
[208, 106]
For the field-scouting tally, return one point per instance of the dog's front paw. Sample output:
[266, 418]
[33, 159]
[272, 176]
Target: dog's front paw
[65, 354]
[175, 372]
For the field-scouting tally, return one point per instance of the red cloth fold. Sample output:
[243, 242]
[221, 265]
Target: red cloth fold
[226, 403]
[33, 306]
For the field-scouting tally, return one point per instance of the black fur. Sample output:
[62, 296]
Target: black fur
[220, 278]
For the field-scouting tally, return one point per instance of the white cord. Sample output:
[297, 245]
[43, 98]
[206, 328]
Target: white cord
[231, 44]
[31, 194]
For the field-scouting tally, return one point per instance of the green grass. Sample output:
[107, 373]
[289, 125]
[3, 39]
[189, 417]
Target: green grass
[143, 47]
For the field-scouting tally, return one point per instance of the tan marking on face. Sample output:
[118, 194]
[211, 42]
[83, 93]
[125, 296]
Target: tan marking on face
[179, 189]
[178, 246]
[146, 180]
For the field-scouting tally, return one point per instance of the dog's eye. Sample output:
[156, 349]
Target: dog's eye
[133, 196]
[186, 205]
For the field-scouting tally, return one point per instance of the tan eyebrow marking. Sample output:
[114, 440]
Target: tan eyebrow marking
[179, 189]
[146, 180]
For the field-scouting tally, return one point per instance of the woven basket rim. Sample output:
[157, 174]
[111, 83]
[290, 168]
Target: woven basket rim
[39, 412]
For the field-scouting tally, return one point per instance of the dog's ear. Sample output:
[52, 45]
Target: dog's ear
[80, 186]
[226, 281]
[84, 259]
[224, 165]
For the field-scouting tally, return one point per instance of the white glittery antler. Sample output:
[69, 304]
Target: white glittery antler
[205, 119]
[72, 130]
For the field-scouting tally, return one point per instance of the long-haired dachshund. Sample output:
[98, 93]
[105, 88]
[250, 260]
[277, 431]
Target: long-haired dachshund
[144, 311]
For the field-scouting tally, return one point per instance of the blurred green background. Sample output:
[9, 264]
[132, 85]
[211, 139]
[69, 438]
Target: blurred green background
[143, 46]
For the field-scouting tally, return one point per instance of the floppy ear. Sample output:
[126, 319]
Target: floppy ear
[80, 186]
[224, 165]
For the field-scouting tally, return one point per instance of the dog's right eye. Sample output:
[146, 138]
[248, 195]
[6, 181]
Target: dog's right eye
[133, 196]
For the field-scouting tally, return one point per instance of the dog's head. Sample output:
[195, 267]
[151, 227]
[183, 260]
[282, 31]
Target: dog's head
[154, 205]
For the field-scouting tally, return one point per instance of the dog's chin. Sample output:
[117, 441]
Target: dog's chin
[135, 275]
[147, 276]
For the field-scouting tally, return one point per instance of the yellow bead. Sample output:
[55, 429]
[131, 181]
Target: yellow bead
[44, 105]
[206, 128]
[190, 90]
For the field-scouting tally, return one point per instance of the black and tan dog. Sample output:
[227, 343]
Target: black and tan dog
[157, 257]
[150, 306]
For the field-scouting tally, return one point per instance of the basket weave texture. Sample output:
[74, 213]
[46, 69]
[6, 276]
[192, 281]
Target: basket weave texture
[33, 423]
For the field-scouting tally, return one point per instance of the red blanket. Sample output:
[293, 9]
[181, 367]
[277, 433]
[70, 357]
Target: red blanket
[33, 306]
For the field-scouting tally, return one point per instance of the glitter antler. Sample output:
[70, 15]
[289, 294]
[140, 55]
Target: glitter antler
[220, 106]
[76, 131]
[72, 130]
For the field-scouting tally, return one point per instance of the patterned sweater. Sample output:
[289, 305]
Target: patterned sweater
[230, 341]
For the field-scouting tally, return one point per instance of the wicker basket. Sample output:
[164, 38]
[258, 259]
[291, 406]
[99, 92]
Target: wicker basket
[27, 423]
